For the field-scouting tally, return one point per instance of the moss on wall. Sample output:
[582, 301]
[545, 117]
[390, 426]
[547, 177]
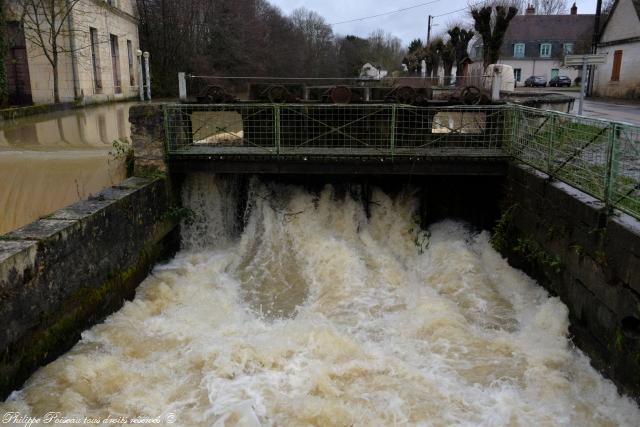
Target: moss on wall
[58, 332]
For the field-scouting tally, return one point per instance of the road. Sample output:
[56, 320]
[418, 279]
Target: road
[618, 112]
[607, 110]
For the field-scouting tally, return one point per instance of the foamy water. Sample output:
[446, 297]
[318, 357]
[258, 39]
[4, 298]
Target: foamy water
[316, 315]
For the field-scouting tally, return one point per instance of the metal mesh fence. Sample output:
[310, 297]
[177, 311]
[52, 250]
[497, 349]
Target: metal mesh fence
[326, 129]
[598, 157]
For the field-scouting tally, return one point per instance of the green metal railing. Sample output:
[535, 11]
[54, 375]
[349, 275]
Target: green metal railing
[330, 129]
[599, 157]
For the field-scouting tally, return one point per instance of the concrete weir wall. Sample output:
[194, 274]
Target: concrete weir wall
[62, 274]
[564, 239]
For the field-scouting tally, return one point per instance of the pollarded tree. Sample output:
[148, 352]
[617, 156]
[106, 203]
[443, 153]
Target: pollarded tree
[434, 55]
[459, 39]
[491, 23]
[448, 56]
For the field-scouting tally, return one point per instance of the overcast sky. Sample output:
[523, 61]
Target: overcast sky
[406, 25]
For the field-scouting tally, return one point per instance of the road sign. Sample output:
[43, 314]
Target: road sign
[584, 61]
[591, 59]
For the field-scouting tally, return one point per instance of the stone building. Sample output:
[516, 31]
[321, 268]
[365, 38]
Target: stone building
[97, 55]
[535, 45]
[620, 40]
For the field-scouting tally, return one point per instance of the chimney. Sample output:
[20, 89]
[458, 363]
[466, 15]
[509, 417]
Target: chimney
[531, 10]
[574, 9]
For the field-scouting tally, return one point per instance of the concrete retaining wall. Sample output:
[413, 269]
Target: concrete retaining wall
[562, 238]
[62, 274]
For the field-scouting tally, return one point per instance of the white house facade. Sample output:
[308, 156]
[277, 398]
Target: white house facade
[97, 60]
[620, 41]
[535, 45]
[373, 71]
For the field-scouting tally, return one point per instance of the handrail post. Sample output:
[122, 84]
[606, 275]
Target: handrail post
[611, 167]
[182, 86]
[393, 129]
[509, 138]
[276, 124]
[550, 146]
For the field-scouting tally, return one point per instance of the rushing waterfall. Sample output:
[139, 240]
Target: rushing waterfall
[315, 313]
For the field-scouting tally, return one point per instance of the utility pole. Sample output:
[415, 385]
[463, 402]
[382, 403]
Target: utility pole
[594, 44]
[429, 29]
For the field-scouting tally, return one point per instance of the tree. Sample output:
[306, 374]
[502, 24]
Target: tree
[433, 56]
[249, 38]
[353, 52]
[414, 57]
[491, 23]
[4, 84]
[46, 27]
[318, 36]
[550, 7]
[448, 56]
[542, 7]
[386, 50]
[459, 39]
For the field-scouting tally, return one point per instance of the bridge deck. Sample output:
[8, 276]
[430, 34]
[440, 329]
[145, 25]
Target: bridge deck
[317, 160]
[343, 152]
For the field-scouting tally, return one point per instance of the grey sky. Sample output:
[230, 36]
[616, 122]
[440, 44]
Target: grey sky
[406, 25]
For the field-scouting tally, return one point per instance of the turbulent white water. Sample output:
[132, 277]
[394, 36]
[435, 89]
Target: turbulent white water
[317, 315]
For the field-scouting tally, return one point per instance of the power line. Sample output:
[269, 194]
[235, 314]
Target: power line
[469, 6]
[449, 13]
[387, 13]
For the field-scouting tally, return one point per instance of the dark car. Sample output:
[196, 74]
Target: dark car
[560, 81]
[535, 81]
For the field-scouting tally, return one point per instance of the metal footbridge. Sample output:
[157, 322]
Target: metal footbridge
[599, 157]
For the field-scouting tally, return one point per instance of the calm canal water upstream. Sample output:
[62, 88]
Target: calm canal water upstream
[51, 160]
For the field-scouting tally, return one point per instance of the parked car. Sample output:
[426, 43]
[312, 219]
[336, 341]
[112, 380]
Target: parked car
[560, 81]
[535, 81]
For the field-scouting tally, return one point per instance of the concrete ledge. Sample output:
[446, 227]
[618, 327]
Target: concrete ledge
[563, 238]
[64, 273]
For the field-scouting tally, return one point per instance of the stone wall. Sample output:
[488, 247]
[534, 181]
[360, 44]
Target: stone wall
[148, 138]
[66, 272]
[564, 239]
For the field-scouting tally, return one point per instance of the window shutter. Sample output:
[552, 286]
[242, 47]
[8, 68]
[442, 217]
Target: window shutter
[617, 62]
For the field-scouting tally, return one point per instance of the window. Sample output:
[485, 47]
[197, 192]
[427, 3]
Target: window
[617, 62]
[518, 50]
[554, 73]
[132, 74]
[545, 50]
[95, 61]
[478, 52]
[568, 48]
[517, 74]
[115, 62]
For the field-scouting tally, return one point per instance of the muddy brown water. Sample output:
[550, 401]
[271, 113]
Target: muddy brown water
[51, 160]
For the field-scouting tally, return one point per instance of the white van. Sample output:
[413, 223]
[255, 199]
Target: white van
[508, 78]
